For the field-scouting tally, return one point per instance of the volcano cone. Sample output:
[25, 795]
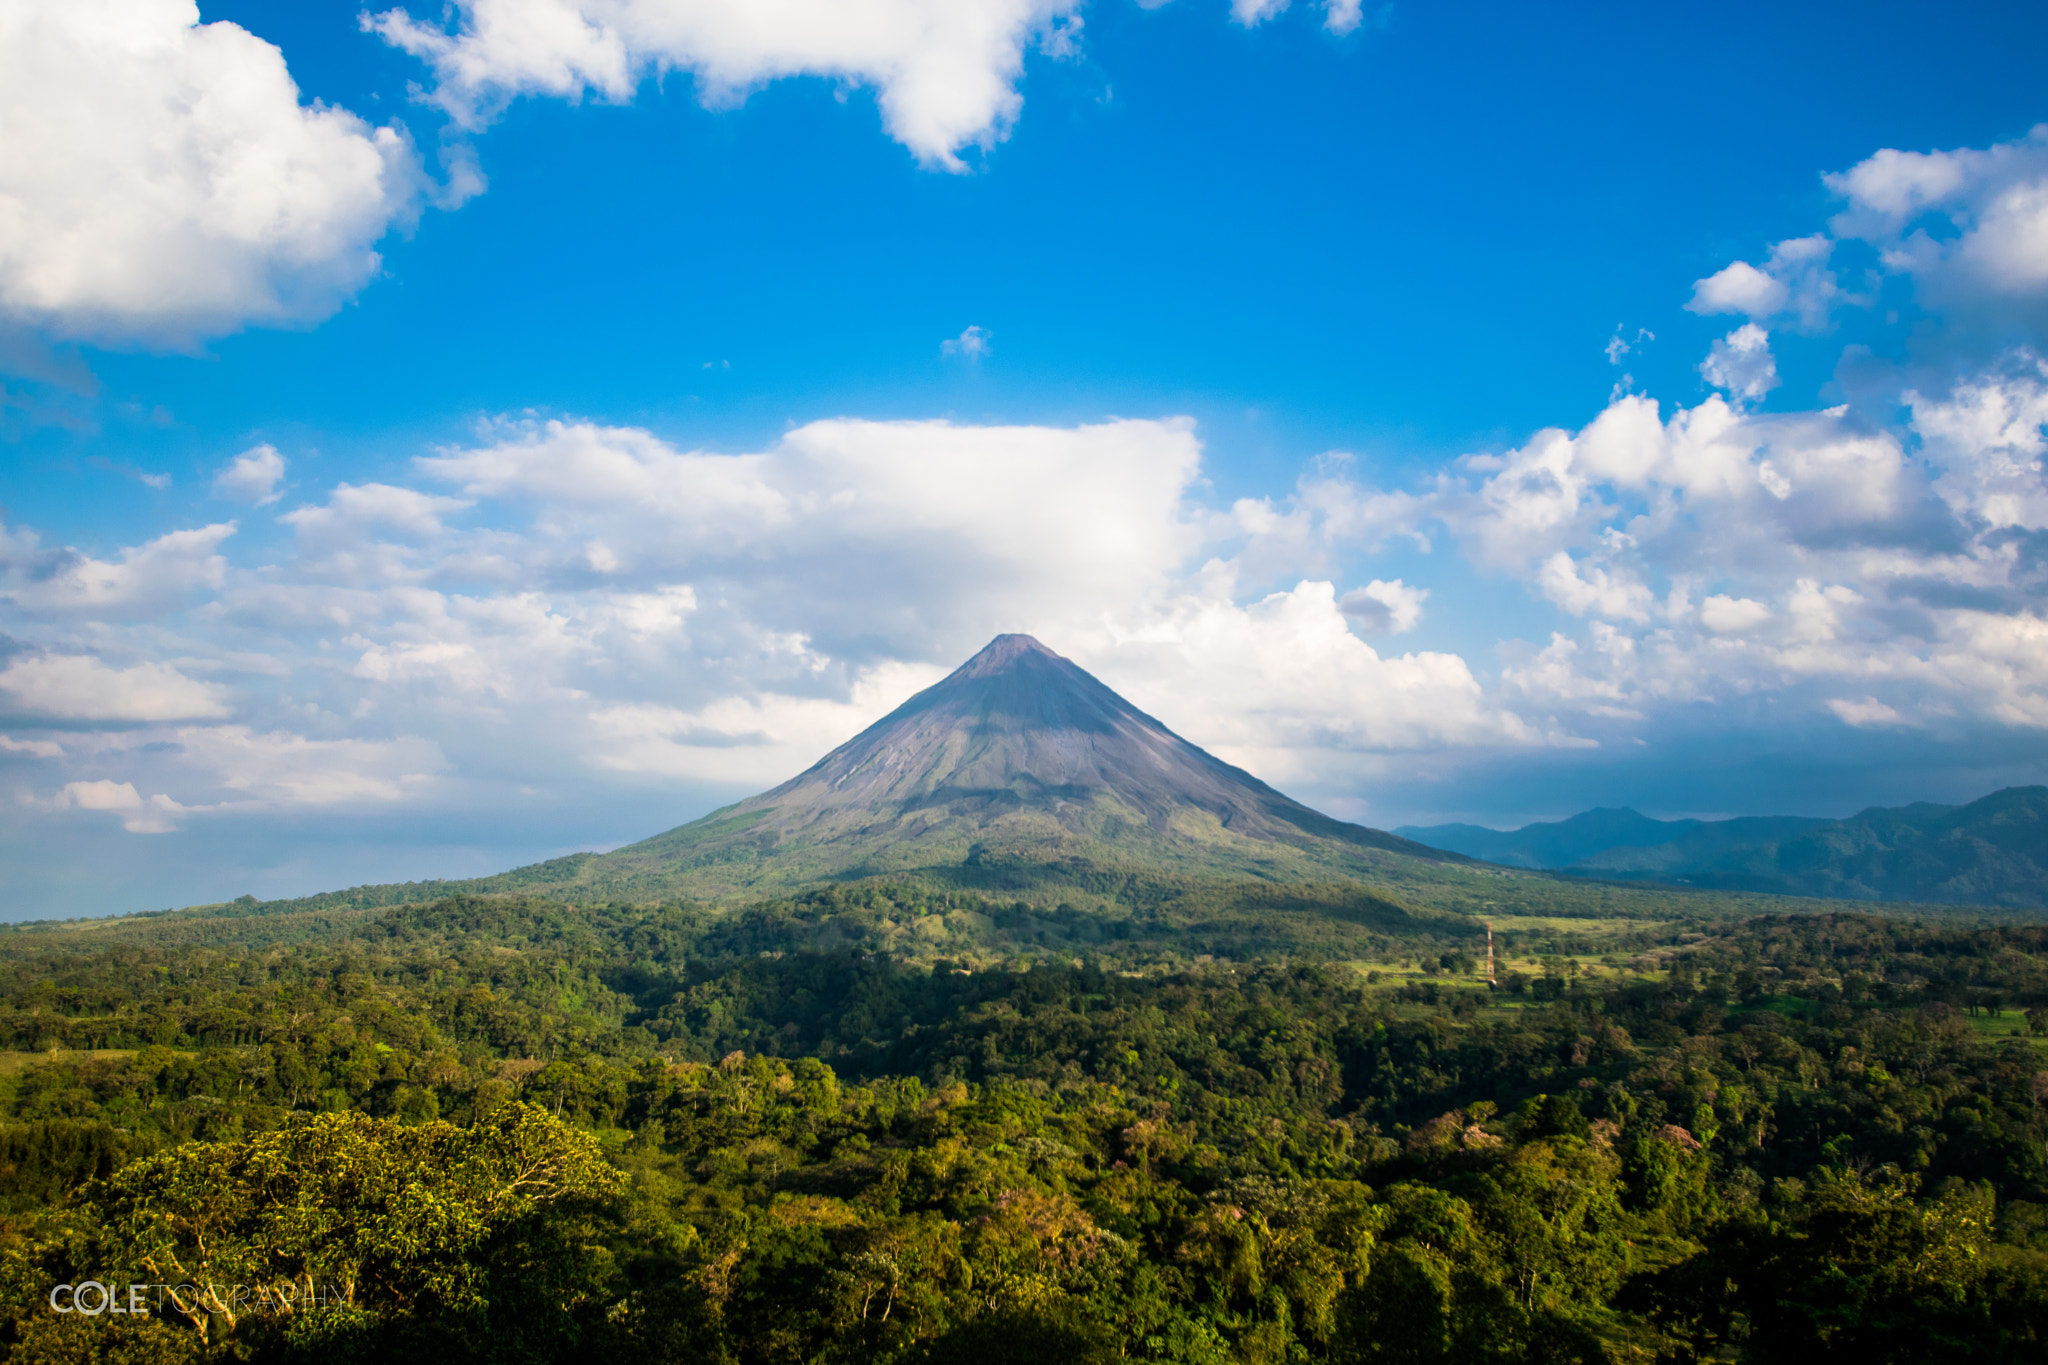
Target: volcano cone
[1019, 756]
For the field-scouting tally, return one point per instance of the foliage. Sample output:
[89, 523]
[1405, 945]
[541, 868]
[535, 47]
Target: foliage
[508, 1129]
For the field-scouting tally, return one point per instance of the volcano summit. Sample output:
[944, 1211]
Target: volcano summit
[1018, 757]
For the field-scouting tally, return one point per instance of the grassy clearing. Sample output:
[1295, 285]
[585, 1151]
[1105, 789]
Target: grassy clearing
[2003, 1024]
[1591, 928]
[13, 1063]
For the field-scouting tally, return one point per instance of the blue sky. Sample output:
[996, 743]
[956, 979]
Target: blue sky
[440, 440]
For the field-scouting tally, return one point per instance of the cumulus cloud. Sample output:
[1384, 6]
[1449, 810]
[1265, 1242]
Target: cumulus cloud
[944, 72]
[1282, 687]
[1741, 363]
[163, 182]
[1725, 615]
[351, 535]
[139, 814]
[145, 580]
[1339, 16]
[1969, 225]
[80, 687]
[251, 477]
[1384, 608]
[353, 512]
[1739, 288]
[1709, 486]
[1795, 280]
[1986, 437]
[610, 603]
[1888, 574]
[1720, 553]
[1588, 589]
[1328, 514]
[961, 516]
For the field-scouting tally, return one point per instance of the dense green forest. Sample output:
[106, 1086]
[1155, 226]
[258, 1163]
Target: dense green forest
[902, 1123]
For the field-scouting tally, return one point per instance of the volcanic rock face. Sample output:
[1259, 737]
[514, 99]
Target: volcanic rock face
[1018, 726]
[1018, 754]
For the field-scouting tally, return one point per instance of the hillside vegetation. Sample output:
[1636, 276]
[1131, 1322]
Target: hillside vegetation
[880, 1125]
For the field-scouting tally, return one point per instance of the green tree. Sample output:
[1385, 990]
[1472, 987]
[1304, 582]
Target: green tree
[346, 1212]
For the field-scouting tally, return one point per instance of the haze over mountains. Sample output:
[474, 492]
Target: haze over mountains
[1993, 851]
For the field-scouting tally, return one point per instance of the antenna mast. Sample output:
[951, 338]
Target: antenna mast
[1489, 955]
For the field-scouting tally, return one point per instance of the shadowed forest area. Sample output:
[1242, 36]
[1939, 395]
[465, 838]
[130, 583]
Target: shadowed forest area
[493, 1128]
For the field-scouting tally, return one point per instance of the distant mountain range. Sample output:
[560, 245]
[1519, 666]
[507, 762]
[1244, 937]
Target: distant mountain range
[1991, 852]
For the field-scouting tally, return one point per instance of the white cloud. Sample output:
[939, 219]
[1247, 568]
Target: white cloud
[1271, 540]
[1986, 437]
[236, 770]
[1865, 713]
[1709, 486]
[957, 518]
[345, 537]
[970, 345]
[162, 182]
[1794, 280]
[944, 72]
[1739, 288]
[1284, 688]
[1725, 615]
[738, 738]
[280, 769]
[353, 512]
[1252, 12]
[1824, 552]
[146, 580]
[1348, 16]
[139, 815]
[1589, 590]
[1989, 209]
[1741, 363]
[1385, 608]
[251, 476]
[80, 687]
[1532, 500]
[1617, 346]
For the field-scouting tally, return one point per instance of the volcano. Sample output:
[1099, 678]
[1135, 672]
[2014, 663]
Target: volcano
[1018, 757]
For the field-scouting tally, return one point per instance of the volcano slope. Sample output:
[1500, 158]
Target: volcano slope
[1018, 766]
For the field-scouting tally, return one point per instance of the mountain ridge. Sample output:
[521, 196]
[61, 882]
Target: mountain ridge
[1992, 851]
